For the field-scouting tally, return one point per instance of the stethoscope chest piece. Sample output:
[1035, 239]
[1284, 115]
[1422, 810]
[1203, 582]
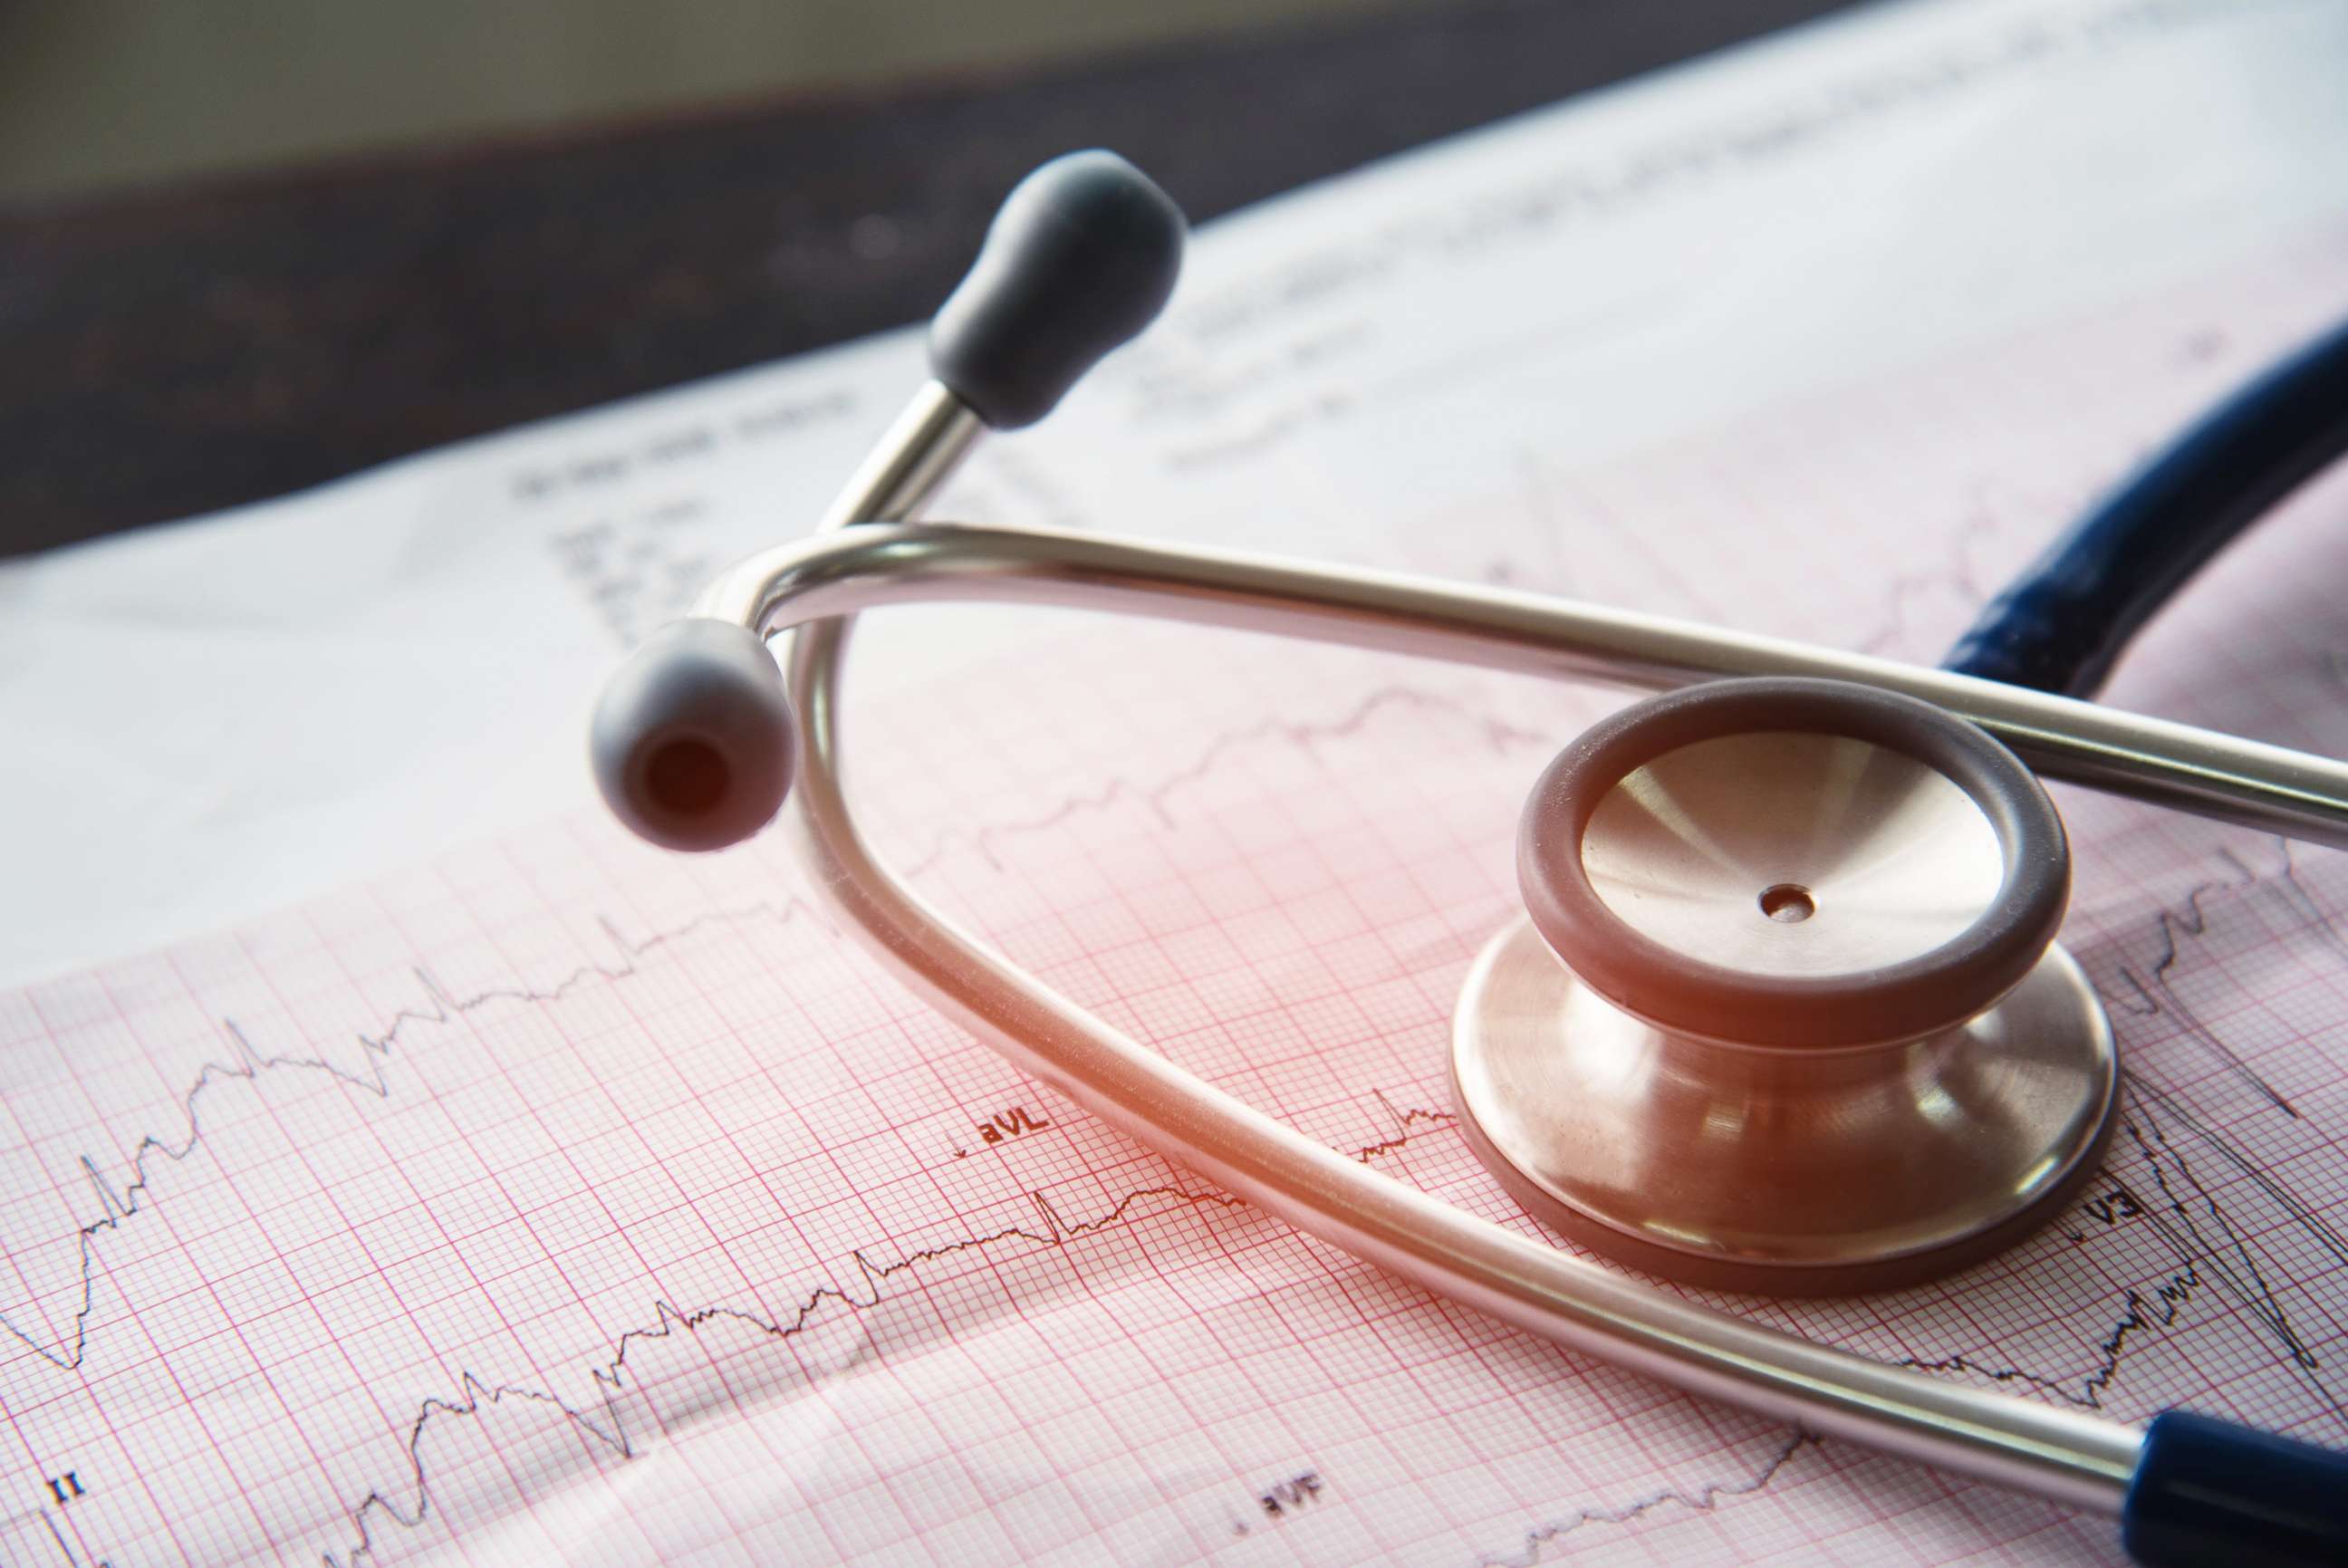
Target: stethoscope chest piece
[1787, 1015]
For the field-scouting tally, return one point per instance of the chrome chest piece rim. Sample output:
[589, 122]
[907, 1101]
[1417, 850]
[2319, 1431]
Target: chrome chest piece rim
[1787, 1015]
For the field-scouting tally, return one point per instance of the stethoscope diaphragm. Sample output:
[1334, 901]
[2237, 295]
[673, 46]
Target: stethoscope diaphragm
[1786, 1014]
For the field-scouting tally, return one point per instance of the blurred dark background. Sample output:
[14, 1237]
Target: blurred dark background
[249, 246]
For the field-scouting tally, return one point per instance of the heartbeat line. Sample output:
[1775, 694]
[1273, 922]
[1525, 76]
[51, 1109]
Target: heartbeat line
[2139, 1312]
[2154, 995]
[2186, 1217]
[2195, 1226]
[119, 1200]
[117, 1204]
[1953, 577]
[2212, 1252]
[1497, 736]
[603, 1427]
[1703, 1500]
[601, 1423]
[1050, 1230]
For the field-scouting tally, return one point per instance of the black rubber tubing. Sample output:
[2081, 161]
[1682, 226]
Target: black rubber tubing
[2066, 620]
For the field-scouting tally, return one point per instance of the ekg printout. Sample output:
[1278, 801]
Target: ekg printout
[558, 1199]
[565, 1200]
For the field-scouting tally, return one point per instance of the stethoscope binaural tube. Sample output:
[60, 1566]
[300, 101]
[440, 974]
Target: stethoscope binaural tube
[2191, 1491]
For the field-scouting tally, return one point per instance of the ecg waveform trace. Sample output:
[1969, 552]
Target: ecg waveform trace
[561, 1198]
[2142, 1310]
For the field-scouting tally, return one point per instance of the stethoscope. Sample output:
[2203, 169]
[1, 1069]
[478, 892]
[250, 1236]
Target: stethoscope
[1786, 1014]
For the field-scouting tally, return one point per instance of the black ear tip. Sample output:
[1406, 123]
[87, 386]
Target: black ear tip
[1083, 255]
[694, 743]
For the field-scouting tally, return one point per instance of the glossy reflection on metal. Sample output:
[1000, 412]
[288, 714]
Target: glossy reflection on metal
[1780, 1170]
[2074, 1457]
[845, 572]
[1709, 848]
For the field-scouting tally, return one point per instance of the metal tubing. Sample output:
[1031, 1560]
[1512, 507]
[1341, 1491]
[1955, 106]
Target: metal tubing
[2069, 1456]
[2173, 765]
[913, 458]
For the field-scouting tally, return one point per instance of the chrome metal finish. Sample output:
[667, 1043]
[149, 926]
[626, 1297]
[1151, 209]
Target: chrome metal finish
[1789, 1171]
[1782, 854]
[2172, 765]
[2067, 1455]
[913, 458]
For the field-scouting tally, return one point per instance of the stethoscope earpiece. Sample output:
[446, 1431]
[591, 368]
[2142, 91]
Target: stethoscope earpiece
[694, 743]
[1785, 1015]
[1082, 255]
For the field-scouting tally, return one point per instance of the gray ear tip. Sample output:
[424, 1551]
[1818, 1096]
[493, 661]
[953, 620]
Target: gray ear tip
[1083, 255]
[694, 743]
[1101, 190]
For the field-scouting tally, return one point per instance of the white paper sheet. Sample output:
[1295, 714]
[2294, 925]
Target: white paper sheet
[549, 1197]
[207, 721]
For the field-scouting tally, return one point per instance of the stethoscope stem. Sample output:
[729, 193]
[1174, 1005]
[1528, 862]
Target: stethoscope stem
[913, 459]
